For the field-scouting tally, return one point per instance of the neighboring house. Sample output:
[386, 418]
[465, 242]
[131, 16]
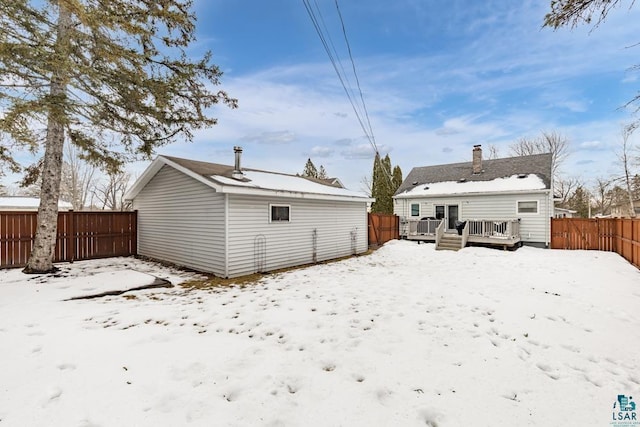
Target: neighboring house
[233, 221]
[505, 201]
[564, 213]
[19, 203]
[623, 210]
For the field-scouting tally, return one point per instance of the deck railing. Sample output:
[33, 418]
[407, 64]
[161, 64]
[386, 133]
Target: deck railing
[494, 228]
[465, 235]
[422, 226]
[507, 229]
[439, 232]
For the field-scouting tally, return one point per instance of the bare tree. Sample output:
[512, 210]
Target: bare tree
[601, 195]
[565, 187]
[77, 178]
[110, 193]
[494, 152]
[625, 157]
[549, 142]
[366, 185]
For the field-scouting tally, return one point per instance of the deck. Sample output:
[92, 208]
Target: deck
[503, 233]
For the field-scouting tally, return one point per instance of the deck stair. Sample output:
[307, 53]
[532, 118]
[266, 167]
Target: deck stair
[450, 242]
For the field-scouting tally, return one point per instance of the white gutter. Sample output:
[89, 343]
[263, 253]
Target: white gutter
[229, 189]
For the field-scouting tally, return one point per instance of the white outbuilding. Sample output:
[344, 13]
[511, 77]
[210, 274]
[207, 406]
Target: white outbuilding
[233, 221]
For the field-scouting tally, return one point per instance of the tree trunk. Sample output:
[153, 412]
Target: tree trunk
[41, 258]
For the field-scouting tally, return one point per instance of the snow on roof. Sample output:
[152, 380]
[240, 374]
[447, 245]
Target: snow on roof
[512, 183]
[27, 203]
[282, 182]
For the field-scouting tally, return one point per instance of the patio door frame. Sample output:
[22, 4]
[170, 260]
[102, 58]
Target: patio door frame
[450, 213]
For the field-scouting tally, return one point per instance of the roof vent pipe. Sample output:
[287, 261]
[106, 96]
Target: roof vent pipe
[477, 159]
[237, 170]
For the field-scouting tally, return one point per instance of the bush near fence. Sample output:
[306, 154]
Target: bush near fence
[620, 235]
[81, 235]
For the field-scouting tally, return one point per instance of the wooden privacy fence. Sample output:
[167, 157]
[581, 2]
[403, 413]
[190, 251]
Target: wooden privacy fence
[620, 235]
[382, 228]
[81, 235]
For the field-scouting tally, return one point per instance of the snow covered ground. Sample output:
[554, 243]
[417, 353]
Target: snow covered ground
[404, 336]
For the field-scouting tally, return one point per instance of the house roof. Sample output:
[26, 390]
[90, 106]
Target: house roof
[507, 174]
[254, 181]
[27, 203]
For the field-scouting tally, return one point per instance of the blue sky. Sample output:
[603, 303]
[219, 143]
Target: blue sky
[438, 77]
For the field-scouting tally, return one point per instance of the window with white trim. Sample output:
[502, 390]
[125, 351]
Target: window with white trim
[415, 209]
[280, 213]
[528, 207]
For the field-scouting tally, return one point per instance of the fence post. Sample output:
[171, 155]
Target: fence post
[72, 236]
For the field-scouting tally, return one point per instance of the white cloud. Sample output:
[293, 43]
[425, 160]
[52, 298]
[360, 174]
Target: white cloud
[321, 151]
[274, 137]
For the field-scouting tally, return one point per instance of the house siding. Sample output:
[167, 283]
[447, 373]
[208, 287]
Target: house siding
[534, 228]
[290, 243]
[181, 220]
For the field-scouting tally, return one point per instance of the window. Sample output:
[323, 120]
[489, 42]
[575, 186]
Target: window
[528, 207]
[415, 209]
[280, 213]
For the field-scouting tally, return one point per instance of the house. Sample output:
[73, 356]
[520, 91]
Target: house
[564, 213]
[20, 203]
[623, 210]
[233, 221]
[506, 201]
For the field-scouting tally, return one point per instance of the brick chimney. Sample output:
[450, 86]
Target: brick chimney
[477, 159]
[237, 170]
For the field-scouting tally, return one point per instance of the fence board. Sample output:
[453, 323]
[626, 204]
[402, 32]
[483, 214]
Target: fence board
[382, 228]
[81, 235]
[620, 235]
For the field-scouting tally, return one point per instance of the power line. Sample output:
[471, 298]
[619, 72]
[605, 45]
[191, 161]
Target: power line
[331, 51]
[353, 66]
[360, 109]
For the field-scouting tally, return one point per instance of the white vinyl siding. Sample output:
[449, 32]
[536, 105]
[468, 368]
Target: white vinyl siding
[287, 244]
[181, 220]
[534, 228]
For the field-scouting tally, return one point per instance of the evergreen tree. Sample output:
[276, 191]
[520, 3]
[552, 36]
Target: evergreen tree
[397, 178]
[310, 170]
[322, 173]
[579, 201]
[384, 184]
[95, 72]
[635, 187]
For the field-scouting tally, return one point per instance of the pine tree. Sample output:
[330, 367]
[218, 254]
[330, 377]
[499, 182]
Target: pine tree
[310, 170]
[322, 173]
[384, 184]
[95, 72]
[397, 179]
[579, 201]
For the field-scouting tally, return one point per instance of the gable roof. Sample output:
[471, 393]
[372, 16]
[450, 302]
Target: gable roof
[254, 182]
[495, 170]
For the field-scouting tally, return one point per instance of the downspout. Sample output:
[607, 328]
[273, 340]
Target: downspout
[548, 219]
[226, 235]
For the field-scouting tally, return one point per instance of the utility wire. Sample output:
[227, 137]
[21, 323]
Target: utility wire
[360, 109]
[353, 66]
[337, 65]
